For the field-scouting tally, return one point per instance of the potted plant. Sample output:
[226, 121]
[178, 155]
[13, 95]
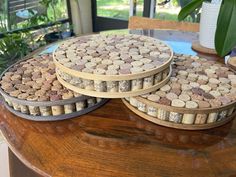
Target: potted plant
[225, 34]
[60, 30]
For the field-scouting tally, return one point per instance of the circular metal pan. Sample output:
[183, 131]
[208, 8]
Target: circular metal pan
[56, 118]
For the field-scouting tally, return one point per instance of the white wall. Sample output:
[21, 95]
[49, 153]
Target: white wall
[81, 16]
[4, 160]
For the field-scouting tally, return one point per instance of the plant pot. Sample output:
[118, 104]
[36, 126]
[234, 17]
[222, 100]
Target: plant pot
[55, 36]
[208, 23]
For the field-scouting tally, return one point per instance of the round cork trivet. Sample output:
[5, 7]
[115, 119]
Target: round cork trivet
[124, 53]
[38, 85]
[209, 89]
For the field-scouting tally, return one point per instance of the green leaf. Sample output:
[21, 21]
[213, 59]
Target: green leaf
[189, 8]
[225, 37]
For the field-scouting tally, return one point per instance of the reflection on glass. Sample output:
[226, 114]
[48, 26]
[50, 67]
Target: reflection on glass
[119, 9]
[169, 9]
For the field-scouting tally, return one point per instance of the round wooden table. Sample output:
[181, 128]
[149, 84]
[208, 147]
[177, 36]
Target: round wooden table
[113, 141]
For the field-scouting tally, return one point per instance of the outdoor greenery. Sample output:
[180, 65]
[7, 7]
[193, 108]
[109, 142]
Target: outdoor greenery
[120, 9]
[12, 47]
[225, 36]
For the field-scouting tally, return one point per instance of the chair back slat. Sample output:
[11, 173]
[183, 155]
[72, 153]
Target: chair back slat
[148, 23]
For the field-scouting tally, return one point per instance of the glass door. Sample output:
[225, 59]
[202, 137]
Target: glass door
[114, 14]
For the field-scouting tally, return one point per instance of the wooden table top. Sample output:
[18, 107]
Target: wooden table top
[113, 141]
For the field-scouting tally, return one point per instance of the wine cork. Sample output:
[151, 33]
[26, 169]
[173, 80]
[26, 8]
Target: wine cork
[157, 78]
[184, 97]
[165, 88]
[189, 118]
[25, 88]
[202, 79]
[183, 81]
[148, 82]
[23, 108]
[112, 86]
[192, 77]
[152, 111]
[6, 85]
[91, 102]
[161, 93]
[57, 109]
[154, 98]
[125, 85]
[206, 88]
[34, 110]
[223, 90]
[224, 101]
[161, 113]
[79, 105]
[194, 84]
[106, 62]
[171, 96]
[201, 118]
[185, 87]
[118, 62]
[125, 66]
[88, 84]
[215, 93]
[113, 67]
[165, 73]
[212, 117]
[99, 86]
[15, 93]
[141, 106]
[214, 81]
[45, 110]
[69, 108]
[133, 101]
[136, 84]
[174, 116]
[183, 74]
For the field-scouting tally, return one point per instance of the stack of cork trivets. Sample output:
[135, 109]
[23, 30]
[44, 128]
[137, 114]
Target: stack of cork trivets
[113, 66]
[200, 94]
[195, 94]
[32, 91]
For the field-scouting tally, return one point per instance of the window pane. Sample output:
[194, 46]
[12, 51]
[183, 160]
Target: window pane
[170, 10]
[3, 15]
[118, 9]
[113, 8]
[139, 8]
[27, 13]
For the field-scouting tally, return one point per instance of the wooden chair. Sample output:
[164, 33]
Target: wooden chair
[148, 23]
